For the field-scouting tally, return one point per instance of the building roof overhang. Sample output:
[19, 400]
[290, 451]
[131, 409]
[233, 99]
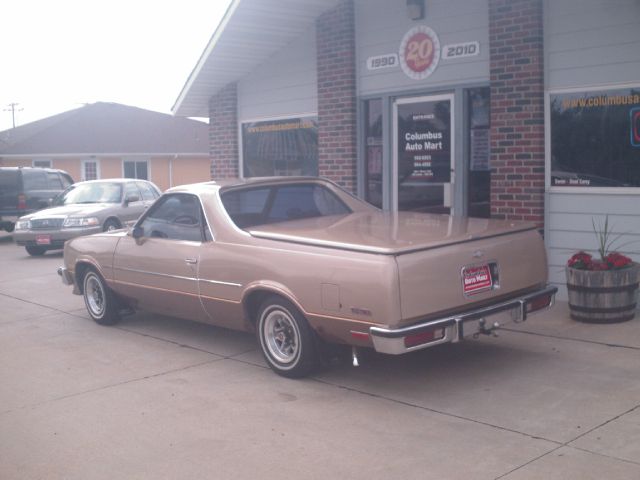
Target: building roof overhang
[250, 32]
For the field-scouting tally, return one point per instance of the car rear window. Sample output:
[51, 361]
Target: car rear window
[9, 181]
[259, 206]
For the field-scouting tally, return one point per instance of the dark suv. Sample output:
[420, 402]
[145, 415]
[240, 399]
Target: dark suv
[24, 190]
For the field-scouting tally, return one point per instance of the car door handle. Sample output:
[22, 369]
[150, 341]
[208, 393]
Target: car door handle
[191, 261]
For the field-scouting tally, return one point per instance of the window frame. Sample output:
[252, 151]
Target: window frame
[547, 140]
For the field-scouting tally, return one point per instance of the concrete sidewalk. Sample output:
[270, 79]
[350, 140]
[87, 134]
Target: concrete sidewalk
[160, 398]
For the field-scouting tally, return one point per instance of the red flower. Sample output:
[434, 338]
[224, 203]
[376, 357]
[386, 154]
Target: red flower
[581, 261]
[617, 260]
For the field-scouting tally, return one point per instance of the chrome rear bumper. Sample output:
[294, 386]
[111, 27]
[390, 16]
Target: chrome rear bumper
[65, 275]
[455, 328]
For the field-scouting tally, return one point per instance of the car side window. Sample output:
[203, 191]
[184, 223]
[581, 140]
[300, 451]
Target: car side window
[66, 180]
[176, 216]
[148, 193]
[54, 181]
[34, 180]
[131, 190]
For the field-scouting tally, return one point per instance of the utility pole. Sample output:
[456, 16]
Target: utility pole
[12, 107]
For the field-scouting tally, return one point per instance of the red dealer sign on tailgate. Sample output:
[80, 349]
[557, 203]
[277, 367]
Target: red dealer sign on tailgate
[419, 52]
[476, 279]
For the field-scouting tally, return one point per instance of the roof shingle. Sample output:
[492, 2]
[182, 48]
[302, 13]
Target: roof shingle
[107, 128]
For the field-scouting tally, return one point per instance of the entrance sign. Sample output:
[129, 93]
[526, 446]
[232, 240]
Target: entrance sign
[419, 52]
[423, 158]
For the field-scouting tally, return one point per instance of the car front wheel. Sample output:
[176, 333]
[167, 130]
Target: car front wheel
[287, 341]
[111, 225]
[99, 299]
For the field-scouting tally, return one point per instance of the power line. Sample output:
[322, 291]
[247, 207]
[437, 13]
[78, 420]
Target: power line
[12, 107]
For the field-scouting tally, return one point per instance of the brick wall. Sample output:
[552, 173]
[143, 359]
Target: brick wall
[337, 151]
[223, 133]
[517, 109]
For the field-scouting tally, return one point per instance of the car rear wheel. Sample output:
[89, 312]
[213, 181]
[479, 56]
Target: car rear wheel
[110, 225]
[99, 299]
[287, 341]
[35, 251]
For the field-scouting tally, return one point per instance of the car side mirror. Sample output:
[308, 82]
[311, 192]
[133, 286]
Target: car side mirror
[131, 198]
[137, 232]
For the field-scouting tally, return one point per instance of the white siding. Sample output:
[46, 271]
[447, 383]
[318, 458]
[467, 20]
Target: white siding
[570, 227]
[284, 85]
[590, 43]
[381, 24]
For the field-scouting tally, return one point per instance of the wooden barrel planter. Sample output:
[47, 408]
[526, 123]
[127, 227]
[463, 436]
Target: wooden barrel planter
[608, 296]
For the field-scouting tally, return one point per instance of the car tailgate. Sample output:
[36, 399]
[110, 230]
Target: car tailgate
[466, 275]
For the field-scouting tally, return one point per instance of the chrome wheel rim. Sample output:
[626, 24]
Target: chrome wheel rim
[281, 336]
[94, 295]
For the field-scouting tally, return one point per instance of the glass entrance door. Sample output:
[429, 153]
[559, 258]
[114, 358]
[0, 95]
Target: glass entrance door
[423, 154]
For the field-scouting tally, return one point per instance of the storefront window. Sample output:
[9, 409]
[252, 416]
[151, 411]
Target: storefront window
[373, 151]
[595, 138]
[280, 147]
[479, 180]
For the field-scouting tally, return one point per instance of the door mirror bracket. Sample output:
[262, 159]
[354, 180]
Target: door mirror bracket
[137, 232]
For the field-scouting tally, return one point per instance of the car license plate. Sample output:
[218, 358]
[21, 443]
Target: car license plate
[43, 239]
[476, 279]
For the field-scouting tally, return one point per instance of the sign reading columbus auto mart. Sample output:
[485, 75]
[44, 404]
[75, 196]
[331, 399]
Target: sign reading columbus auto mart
[419, 52]
[424, 141]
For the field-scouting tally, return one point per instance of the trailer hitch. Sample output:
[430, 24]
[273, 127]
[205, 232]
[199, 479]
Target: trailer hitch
[483, 329]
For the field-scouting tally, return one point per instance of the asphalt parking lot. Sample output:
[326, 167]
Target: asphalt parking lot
[160, 398]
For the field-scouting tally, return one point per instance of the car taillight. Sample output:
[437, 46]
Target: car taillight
[539, 303]
[423, 337]
[22, 202]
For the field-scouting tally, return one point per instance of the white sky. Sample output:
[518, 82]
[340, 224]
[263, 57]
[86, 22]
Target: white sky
[57, 55]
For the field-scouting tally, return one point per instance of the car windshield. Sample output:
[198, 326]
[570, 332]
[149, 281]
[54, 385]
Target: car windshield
[90, 193]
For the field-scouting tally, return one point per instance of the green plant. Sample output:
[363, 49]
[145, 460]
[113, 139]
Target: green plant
[607, 242]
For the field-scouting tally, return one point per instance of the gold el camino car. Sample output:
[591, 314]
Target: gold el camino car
[302, 262]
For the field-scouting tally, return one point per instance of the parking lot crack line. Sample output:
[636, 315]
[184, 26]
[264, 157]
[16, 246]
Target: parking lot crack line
[184, 345]
[569, 442]
[579, 340]
[30, 277]
[529, 462]
[40, 305]
[439, 412]
[113, 385]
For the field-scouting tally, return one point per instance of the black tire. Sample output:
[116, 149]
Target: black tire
[35, 250]
[99, 299]
[111, 224]
[10, 227]
[287, 341]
